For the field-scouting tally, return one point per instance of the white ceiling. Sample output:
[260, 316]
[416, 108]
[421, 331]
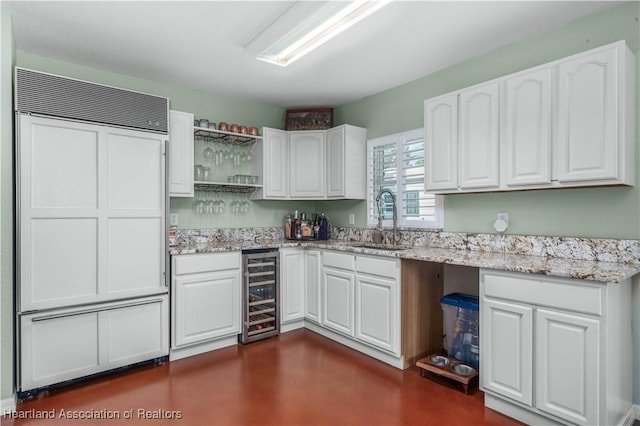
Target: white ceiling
[199, 44]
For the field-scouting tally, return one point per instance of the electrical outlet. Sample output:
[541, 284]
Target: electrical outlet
[503, 216]
[352, 219]
[502, 222]
[173, 219]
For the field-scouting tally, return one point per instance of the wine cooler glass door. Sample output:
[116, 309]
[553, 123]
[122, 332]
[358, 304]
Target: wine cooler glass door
[261, 313]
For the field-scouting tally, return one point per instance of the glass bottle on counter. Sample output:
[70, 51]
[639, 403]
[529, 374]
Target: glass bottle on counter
[316, 226]
[296, 226]
[288, 224]
[305, 229]
[323, 233]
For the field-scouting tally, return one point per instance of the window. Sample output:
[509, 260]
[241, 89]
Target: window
[396, 163]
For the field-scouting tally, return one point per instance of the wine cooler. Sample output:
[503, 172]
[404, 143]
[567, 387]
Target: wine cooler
[261, 295]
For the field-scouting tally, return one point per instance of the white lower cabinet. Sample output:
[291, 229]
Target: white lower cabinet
[206, 301]
[567, 379]
[361, 299]
[313, 286]
[378, 302]
[507, 362]
[292, 277]
[375, 311]
[71, 343]
[203, 306]
[555, 348]
[338, 309]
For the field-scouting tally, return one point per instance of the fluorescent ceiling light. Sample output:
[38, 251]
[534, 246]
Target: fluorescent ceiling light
[305, 26]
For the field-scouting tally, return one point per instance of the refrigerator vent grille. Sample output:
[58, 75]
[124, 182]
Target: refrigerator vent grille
[52, 95]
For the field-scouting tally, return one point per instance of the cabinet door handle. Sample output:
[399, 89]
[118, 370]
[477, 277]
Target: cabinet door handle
[90, 311]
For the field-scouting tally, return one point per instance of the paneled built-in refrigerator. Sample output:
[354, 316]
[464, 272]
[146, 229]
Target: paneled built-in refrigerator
[91, 290]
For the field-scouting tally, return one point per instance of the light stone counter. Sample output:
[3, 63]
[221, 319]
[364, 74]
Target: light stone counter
[593, 270]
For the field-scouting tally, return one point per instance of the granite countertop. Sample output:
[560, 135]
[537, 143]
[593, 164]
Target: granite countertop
[610, 272]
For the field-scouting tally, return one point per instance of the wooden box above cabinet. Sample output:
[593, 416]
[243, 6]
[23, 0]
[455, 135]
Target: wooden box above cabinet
[314, 165]
[568, 123]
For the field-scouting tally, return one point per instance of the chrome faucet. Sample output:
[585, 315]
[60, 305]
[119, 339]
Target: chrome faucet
[395, 213]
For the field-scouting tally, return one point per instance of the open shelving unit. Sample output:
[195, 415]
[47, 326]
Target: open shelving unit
[250, 142]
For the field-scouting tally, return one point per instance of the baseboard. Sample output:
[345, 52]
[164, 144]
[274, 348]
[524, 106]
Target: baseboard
[8, 405]
[515, 412]
[179, 353]
[529, 417]
[291, 325]
[632, 415]
[629, 418]
[392, 360]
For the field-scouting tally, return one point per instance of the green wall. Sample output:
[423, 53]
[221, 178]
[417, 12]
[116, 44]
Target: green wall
[6, 205]
[601, 213]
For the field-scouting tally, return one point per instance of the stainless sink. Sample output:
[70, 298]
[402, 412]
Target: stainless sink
[379, 246]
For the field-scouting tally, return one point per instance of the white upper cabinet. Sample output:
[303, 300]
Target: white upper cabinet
[441, 142]
[275, 164]
[314, 165]
[478, 137]
[567, 123]
[527, 128]
[346, 162]
[180, 154]
[462, 140]
[307, 164]
[595, 109]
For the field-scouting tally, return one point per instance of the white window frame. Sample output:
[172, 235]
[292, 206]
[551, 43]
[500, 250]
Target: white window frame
[399, 140]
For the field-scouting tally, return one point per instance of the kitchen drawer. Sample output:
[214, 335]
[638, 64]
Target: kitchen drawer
[206, 262]
[338, 260]
[377, 266]
[557, 293]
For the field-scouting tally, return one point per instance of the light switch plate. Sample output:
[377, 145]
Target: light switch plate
[352, 218]
[173, 219]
